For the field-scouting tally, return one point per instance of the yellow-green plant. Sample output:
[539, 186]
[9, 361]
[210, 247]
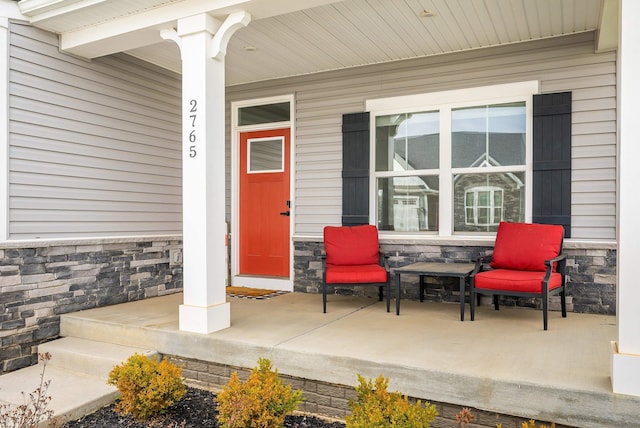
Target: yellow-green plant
[147, 387]
[531, 424]
[375, 407]
[262, 401]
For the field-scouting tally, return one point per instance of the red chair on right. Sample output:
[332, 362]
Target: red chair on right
[527, 261]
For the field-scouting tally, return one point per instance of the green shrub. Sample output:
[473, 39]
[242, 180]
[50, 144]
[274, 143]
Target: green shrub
[262, 401]
[147, 387]
[375, 407]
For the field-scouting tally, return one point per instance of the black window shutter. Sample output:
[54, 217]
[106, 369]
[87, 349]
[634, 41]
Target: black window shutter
[355, 169]
[552, 159]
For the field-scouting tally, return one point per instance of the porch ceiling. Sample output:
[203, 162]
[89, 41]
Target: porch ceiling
[296, 37]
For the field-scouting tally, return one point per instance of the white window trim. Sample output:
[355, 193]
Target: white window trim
[457, 98]
[475, 206]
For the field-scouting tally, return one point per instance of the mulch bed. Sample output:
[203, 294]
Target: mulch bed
[197, 409]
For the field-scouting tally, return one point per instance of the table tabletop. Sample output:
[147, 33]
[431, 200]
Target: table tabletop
[436, 268]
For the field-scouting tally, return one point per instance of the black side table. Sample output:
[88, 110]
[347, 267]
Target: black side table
[458, 270]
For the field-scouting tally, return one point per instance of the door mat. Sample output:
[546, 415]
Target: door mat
[252, 293]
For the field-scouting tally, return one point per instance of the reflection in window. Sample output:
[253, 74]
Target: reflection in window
[483, 206]
[407, 159]
[408, 141]
[266, 155]
[488, 135]
[408, 204]
[483, 200]
[463, 156]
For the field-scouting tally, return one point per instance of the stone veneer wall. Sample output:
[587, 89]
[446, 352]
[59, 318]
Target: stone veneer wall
[39, 280]
[591, 273]
[326, 399]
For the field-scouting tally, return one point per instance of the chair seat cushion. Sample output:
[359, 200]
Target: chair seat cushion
[355, 274]
[514, 280]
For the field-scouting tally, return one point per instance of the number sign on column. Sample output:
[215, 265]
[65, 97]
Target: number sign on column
[192, 135]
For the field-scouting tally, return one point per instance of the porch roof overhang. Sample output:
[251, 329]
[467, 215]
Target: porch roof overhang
[297, 37]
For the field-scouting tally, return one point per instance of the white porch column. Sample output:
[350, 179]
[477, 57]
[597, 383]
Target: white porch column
[625, 362]
[203, 42]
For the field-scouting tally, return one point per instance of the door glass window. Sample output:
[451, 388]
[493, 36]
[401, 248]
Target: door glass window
[266, 155]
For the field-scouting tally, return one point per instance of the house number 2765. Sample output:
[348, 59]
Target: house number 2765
[192, 135]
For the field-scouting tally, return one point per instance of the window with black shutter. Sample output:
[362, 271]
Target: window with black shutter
[484, 179]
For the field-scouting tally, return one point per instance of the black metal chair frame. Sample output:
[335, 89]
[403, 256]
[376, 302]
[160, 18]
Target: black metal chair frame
[561, 263]
[383, 262]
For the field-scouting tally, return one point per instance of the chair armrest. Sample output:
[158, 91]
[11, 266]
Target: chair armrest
[556, 259]
[560, 260]
[480, 262]
[384, 258]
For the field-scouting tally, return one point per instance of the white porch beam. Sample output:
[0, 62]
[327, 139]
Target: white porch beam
[94, 36]
[48, 8]
[205, 308]
[607, 37]
[625, 360]
[137, 30]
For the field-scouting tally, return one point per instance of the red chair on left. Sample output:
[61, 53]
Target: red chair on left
[353, 257]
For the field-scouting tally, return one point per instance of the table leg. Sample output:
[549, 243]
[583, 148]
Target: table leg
[422, 288]
[463, 280]
[388, 291]
[397, 294]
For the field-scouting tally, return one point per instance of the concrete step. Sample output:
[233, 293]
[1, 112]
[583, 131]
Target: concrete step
[77, 371]
[73, 394]
[89, 356]
[97, 328]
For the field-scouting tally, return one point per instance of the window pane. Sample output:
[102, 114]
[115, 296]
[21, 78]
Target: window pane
[468, 136]
[265, 155]
[408, 204]
[507, 132]
[279, 112]
[406, 142]
[483, 198]
[496, 197]
[491, 135]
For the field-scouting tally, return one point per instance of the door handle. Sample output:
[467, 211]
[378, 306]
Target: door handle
[286, 213]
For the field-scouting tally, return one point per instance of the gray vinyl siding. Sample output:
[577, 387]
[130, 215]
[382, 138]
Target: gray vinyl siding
[560, 64]
[94, 146]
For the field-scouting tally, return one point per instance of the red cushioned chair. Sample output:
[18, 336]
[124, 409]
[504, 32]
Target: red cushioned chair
[353, 257]
[526, 262]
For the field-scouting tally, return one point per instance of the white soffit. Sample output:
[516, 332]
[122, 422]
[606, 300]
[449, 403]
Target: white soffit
[296, 37]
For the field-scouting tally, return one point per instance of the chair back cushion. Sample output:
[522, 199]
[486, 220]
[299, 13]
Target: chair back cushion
[351, 245]
[525, 246]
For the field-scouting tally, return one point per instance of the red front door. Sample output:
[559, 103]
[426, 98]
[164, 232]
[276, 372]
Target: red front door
[264, 203]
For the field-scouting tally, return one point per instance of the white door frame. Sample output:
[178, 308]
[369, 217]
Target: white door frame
[247, 280]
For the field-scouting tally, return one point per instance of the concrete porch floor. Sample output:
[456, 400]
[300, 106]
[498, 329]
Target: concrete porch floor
[502, 362]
